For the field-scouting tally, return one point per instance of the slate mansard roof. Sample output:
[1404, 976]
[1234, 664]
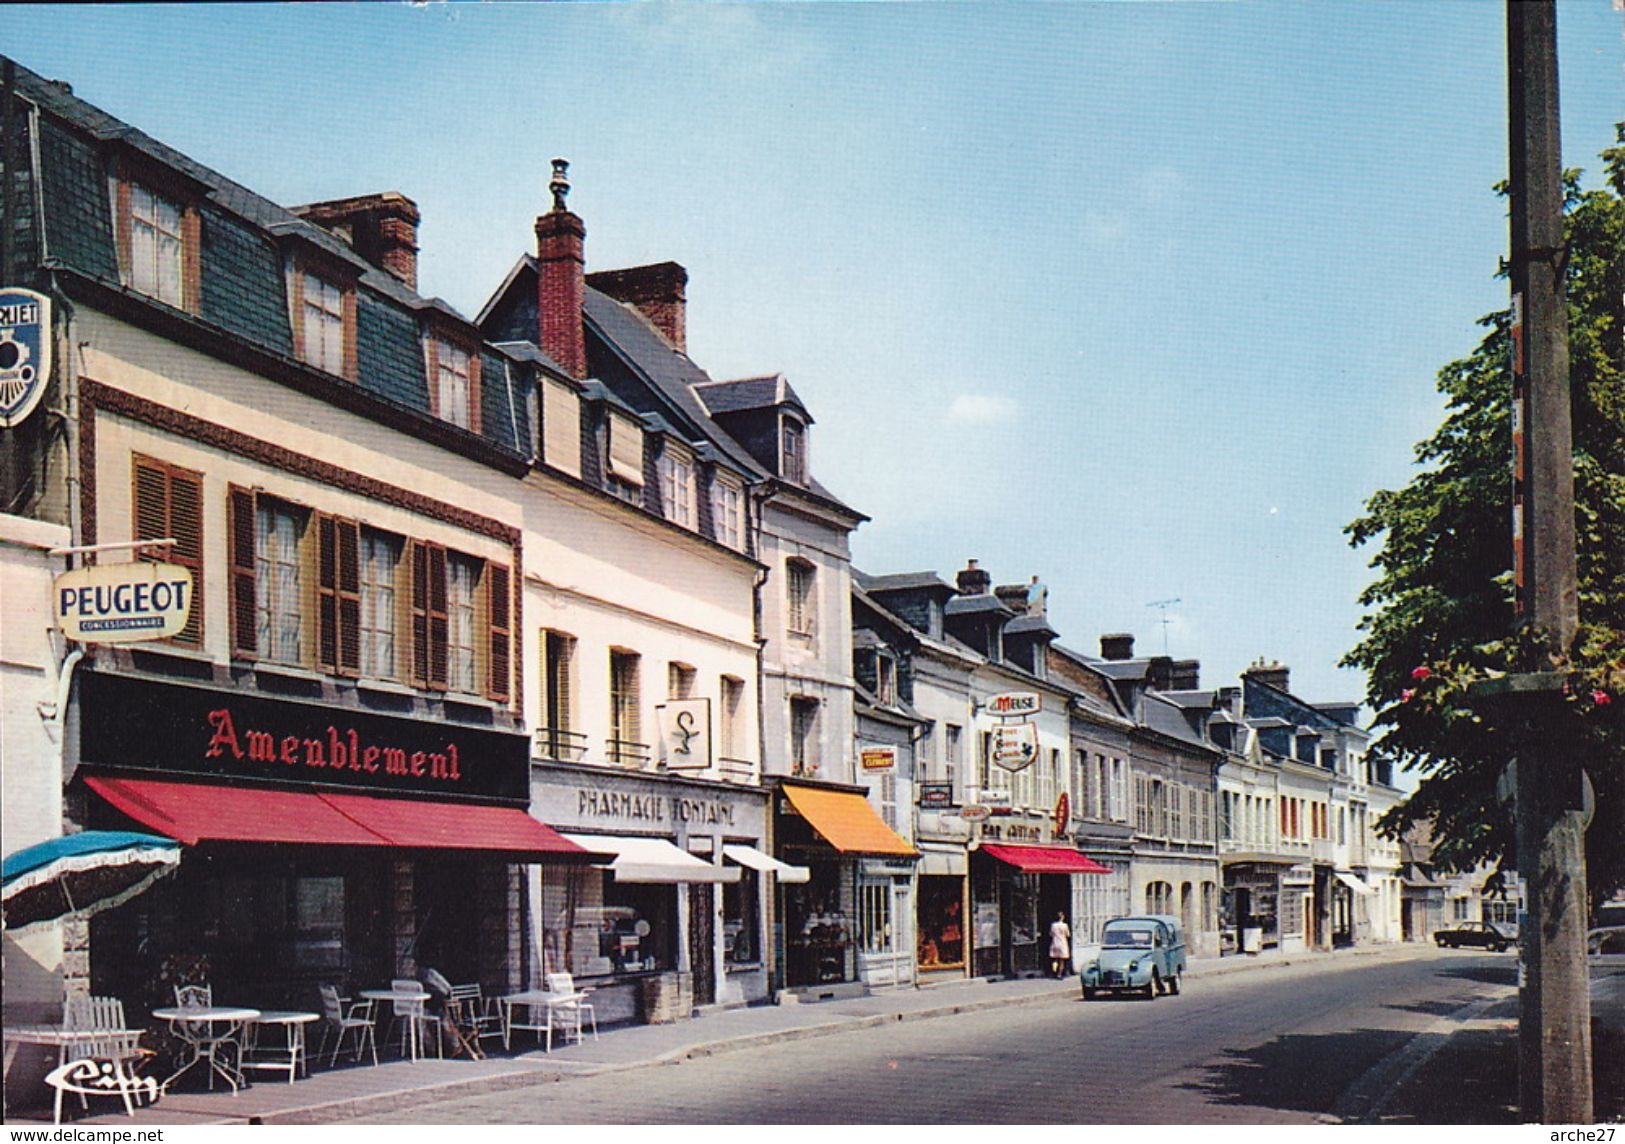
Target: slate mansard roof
[242, 298]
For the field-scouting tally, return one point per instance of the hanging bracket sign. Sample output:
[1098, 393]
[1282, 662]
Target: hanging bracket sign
[1012, 704]
[1015, 745]
[118, 603]
[25, 352]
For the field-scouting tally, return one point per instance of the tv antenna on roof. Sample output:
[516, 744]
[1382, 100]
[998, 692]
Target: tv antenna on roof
[1165, 621]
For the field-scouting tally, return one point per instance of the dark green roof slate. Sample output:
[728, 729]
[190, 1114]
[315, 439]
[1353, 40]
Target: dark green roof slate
[242, 284]
[389, 352]
[78, 222]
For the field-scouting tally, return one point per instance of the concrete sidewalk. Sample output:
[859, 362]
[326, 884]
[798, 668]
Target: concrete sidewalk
[345, 1092]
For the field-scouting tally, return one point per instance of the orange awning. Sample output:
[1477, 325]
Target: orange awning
[847, 822]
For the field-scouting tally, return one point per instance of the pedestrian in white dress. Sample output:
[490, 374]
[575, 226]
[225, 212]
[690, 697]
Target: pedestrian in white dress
[1060, 946]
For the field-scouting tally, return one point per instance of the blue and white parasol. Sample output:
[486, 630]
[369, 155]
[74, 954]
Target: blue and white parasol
[82, 874]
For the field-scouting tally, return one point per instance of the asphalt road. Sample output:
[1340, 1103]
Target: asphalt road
[1289, 1045]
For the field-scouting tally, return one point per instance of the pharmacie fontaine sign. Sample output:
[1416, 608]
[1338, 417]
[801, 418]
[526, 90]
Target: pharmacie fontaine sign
[148, 725]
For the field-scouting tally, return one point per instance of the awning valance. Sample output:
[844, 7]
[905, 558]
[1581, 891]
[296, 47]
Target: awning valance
[847, 822]
[653, 860]
[1045, 859]
[941, 863]
[765, 863]
[1355, 883]
[204, 812]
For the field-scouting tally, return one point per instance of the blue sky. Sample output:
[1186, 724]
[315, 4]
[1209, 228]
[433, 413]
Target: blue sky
[1142, 298]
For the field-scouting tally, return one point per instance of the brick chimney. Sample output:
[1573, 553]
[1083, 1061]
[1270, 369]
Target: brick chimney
[1118, 645]
[973, 580]
[1273, 673]
[658, 292]
[1185, 675]
[560, 280]
[381, 228]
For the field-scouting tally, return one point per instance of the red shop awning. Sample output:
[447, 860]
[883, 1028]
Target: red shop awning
[1045, 859]
[203, 812]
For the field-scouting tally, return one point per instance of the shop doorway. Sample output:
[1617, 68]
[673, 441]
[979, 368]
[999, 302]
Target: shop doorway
[702, 933]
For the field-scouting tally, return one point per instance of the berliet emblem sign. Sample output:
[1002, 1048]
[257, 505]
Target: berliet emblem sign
[25, 352]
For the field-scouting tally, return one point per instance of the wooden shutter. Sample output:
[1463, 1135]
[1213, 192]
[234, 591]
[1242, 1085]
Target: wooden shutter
[429, 629]
[338, 595]
[244, 637]
[499, 628]
[349, 586]
[169, 503]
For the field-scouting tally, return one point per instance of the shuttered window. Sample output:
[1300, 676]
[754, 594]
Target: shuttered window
[380, 604]
[244, 631]
[625, 449]
[499, 631]
[169, 505]
[428, 615]
[338, 595]
[561, 426]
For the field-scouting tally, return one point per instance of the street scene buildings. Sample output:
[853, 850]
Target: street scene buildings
[515, 644]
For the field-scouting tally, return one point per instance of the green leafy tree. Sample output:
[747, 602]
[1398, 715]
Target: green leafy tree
[1439, 614]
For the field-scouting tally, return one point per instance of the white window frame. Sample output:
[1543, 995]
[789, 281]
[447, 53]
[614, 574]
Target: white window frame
[281, 617]
[462, 624]
[380, 562]
[454, 383]
[800, 597]
[677, 487]
[157, 246]
[728, 512]
[322, 316]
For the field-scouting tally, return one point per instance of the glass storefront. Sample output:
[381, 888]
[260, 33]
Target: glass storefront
[940, 925]
[818, 926]
[594, 926]
[741, 925]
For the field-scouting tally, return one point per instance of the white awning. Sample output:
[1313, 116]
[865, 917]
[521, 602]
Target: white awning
[653, 860]
[1354, 882]
[945, 863]
[765, 863]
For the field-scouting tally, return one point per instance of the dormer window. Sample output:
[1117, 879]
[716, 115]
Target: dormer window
[885, 679]
[728, 512]
[455, 389]
[323, 311]
[625, 457]
[677, 485]
[158, 235]
[157, 247]
[793, 466]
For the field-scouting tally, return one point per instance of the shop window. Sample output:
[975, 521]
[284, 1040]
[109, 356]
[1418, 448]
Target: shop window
[168, 504]
[594, 926]
[800, 579]
[875, 917]
[625, 713]
[804, 758]
[380, 604]
[557, 738]
[733, 705]
[940, 925]
[728, 512]
[818, 927]
[741, 920]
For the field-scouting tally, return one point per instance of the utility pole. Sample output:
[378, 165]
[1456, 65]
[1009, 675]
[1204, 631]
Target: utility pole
[1554, 1035]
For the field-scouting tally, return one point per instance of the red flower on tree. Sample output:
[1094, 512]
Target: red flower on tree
[1421, 672]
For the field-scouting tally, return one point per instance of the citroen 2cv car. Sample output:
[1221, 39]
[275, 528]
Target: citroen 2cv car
[1143, 954]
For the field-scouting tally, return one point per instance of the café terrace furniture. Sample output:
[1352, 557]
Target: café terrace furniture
[408, 1007]
[96, 1052]
[288, 1056]
[475, 1012]
[208, 1030]
[342, 1017]
[560, 1006]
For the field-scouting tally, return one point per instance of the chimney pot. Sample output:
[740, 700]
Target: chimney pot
[561, 239]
